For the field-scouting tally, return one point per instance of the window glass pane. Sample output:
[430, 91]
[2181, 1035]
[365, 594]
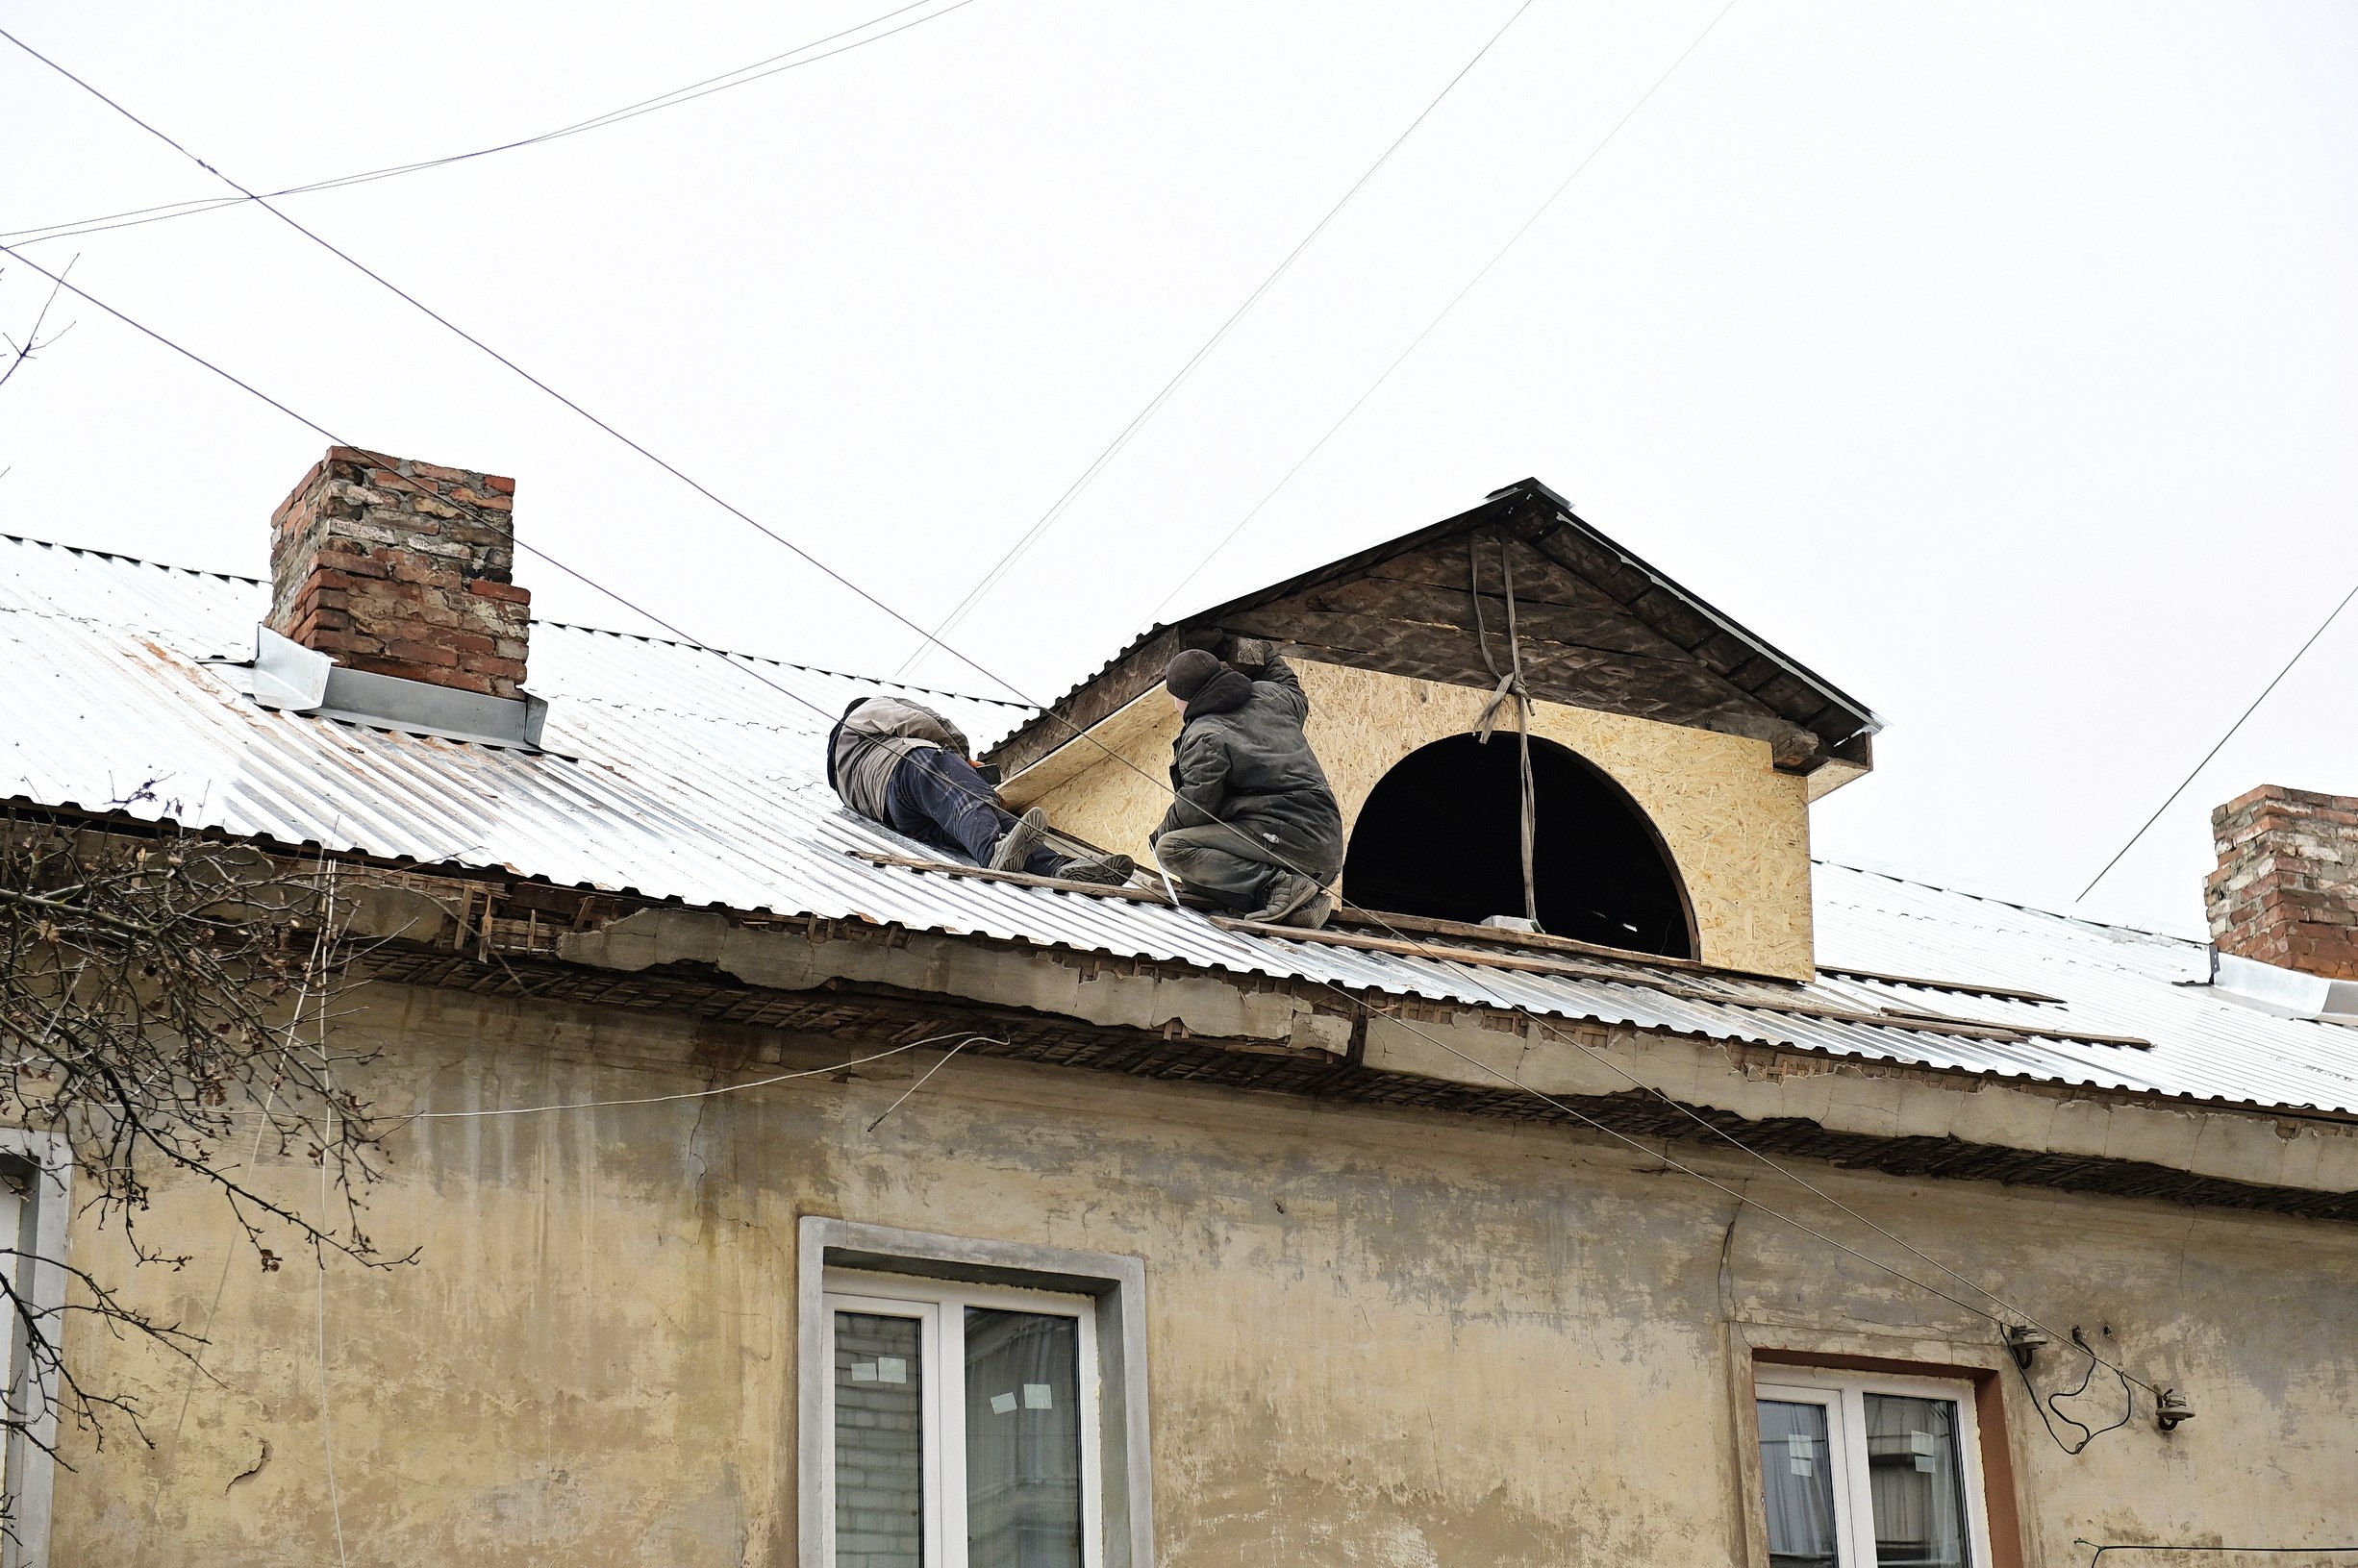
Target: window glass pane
[1796, 1472]
[1023, 1440]
[1913, 1475]
[879, 1443]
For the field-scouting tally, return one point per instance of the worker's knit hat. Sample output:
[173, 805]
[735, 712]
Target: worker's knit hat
[1189, 672]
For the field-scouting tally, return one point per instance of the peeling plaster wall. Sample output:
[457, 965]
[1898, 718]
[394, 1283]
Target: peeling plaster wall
[1737, 829]
[1375, 1337]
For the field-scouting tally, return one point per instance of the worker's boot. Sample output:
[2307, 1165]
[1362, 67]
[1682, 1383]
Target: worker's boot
[1105, 870]
[1314, 914]
[1287, 892]
[1017, 843]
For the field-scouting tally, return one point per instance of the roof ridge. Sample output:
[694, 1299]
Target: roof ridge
[1986, 893]
[133, 560]
[565, 625]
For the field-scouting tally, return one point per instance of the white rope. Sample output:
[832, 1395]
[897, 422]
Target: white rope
[1510, 685]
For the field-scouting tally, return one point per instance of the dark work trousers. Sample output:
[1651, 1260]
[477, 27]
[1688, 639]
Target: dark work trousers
[942, 800]
[1229, 865]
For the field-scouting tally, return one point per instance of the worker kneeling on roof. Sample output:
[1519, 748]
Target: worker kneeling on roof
[1254, 826]
[901, 763]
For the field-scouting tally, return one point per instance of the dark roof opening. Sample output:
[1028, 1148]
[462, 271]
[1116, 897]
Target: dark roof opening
[1440, 836]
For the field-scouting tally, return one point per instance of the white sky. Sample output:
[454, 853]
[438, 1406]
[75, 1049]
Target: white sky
[1999, 361]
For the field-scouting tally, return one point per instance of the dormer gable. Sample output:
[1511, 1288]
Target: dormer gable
[1677, 751]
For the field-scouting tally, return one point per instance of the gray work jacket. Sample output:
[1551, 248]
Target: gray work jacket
[868, 742]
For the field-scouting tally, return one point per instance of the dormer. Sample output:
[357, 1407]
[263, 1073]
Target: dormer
[1674, 756]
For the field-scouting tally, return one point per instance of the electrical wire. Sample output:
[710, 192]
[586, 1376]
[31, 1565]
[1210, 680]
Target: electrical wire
[2052, 1403]
[1137, 421]
[1436, 956]
[733, 660]
[2298, 655]
[2133, 1546]
[327, 1426]
[932, 638]
[1455, 300]
[137, 216]
[785, 663]
[685, 478]
[694, 1094]
[912, 1088]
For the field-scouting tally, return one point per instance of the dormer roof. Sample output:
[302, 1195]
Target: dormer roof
[1599, 628]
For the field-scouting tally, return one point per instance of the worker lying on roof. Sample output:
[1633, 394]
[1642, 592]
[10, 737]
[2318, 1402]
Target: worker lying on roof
[901, 763]
[1253, 825]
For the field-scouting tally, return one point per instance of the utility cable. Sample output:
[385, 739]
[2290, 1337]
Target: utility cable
[2298, 655]
[137, 216]
[2132, 1546]
[692, 1094]
[1137, 421]
[445, 322]
[760, 659]
[912, 1088]
[733, 660]
[2050, 1409]
[1455, 300]
[1504, 1077]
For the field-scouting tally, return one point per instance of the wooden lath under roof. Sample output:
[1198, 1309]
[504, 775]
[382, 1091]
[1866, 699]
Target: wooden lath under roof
[1600, 629]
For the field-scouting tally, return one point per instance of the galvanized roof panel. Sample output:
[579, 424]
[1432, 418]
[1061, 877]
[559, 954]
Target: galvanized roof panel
[677, 773]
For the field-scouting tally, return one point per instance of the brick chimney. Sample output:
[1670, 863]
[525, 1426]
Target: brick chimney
[2286, 890]
[401, 568]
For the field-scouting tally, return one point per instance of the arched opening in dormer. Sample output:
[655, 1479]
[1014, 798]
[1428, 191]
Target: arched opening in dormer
[1440, 836]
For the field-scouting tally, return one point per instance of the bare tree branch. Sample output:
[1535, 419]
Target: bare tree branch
[33, 342]
[158, 997]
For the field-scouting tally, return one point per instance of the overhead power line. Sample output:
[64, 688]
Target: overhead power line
[735, 662]
[1015, 552]
[2298, 655]
[1501, 1073]
[758, 70]
[463, 333]
[1498, 256]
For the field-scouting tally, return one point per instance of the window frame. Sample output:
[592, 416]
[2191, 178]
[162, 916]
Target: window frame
[940, 1308]
[1110, 1292]
[1845, 1396]
[44, 1162]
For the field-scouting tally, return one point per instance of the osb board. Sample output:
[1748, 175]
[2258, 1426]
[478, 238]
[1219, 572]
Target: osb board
[1087, 793]
[1737, 829]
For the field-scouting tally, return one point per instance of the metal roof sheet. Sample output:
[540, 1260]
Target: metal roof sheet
[677, 773]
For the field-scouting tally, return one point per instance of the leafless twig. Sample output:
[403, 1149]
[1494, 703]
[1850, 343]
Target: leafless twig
[34, 341]
[151, 991]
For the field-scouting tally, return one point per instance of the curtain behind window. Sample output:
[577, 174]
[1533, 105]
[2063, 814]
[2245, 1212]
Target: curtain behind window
[1797, 1478]
[1913, 1477]
[1023, 1440]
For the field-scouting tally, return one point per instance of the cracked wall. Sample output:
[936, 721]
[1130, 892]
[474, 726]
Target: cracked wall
[1375, 1337]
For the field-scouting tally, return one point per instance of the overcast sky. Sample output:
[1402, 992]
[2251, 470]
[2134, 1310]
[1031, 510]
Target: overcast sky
[1999, 361]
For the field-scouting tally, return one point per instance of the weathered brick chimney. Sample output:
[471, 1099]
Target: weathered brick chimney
[2286, 890]
[401, 568]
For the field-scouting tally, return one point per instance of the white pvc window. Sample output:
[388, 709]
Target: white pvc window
[21, 1394]
[961, 1425]
[1867, 1471]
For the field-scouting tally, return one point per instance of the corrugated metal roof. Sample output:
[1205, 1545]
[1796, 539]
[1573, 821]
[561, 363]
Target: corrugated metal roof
[675, 773]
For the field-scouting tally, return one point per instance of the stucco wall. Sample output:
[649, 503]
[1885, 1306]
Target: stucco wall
[1375, 1337]
[1737, 829]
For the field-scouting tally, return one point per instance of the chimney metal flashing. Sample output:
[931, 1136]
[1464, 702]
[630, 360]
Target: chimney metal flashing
[2287, 993]
[287, 676]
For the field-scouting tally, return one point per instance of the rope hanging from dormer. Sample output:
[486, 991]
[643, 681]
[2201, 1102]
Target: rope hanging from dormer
[1509, 686]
